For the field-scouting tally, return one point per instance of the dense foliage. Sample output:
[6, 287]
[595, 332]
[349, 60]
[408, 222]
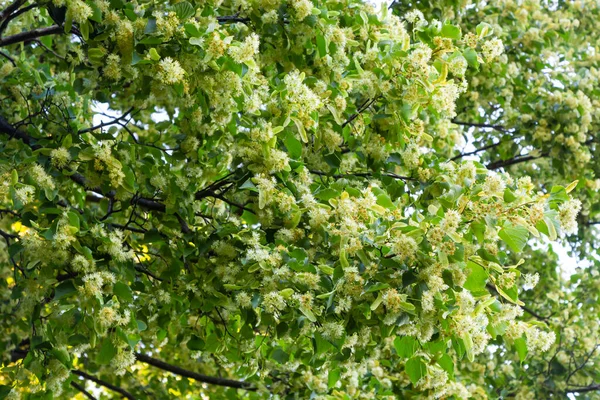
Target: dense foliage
[298, 199]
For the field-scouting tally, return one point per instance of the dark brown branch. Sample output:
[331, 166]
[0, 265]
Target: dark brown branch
[149, 204]
[82, 390]
[9, 58]
[362, 108]
[499, 128]
[11, 212]
[470, 153]
[585, 389]
[10, 8]
[225, 19]
[15, 15]
[129, 228]
[230, 202]
[194, 375]
[7, 236]
[140, 268]
[184, 226]
[105, 124]
[12, 132]
[583, 363]
[512, 161]
[30, 35]
[364, 174]
[48, 49]
[107, 385]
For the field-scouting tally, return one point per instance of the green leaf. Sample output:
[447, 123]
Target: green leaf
[141, 325]
[333, 377]
[521, 347]
[471, 57]
[84, 28]
[321, 344]
[184, 10]
[192, 30]
[74, 220]
[5, 391]
[107, 352]
[515, 236]
[195, 343]
[558, 194]
[321, 45]
[150, 26]
[510, 294]
[476, 279]
[451, 31]
[130, 14]
[416, 369]
[377, 286]
[484, 29]
[467, 340]
[153, 54]
[249, 218]
[551, 228]
[385, 201]
[279, 355]
[301, 130]
[293, 146]
[406, 346]
[196, 41]
[67, 142]
[65, 289]
[123, 291]
[447, 365]
[76, 339]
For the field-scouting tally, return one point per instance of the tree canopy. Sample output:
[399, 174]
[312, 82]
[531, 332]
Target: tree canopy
[299, 199]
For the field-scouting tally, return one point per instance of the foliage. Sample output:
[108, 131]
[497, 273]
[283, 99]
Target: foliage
[277, 204]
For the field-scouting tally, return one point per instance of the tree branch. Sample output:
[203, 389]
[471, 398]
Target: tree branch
[225, 19]
[15, 15]
[470, 153]
[10, 8]
[105, 124]
[30, 35]
[585, 389]
[499, 128]
[107, 385]
[82, 390]
[365, 174]
[194, 375]
[7, 236]
[11, 131]
[512, 161]
[19, 354]
[362, 108]
[129, 228]
[9, 58]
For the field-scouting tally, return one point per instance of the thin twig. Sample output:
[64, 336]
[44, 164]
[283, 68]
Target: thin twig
[9, 58]
[105, 124]
[82, 390]
[107, 385]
